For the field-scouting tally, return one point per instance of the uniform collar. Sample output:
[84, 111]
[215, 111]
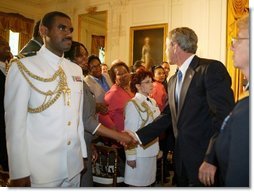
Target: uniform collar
[141, 97]
[53, 60]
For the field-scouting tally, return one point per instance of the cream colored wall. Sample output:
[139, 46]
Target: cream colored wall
[206, 17]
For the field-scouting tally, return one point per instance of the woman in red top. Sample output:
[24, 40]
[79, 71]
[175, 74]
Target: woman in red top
[159, 92]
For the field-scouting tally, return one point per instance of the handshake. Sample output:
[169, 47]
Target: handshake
[128, 139]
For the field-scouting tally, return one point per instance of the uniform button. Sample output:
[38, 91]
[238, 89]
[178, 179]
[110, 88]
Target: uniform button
[69, 142]
[69, 123]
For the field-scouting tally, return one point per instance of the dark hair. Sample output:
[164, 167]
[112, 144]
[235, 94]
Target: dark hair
[112, 73]
[156, 67]
[164, 62]
[137, 65]
[36, 32]
[91, 58]
[138, 77]
[5, 54]
[49, 18]
[74, 50]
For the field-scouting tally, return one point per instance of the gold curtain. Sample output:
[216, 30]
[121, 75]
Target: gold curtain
[97, 43]
[235, 9]
[16, 23]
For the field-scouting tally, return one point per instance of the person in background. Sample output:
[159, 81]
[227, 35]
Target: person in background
[232, 145]
[5, 57]
[104, 68]
[78, 54]
[140, 167]
[98, 83]
[34, 44]
[166, 68]
[139, 64]
[116, 99]
[44, 127]
[159, 92]
[200, 97]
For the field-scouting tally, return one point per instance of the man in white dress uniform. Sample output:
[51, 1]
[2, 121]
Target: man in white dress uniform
[43, 105]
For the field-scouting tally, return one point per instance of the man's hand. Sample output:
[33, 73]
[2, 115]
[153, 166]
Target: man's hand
[207, 173]
[22, 182]
[132, 164]
[127, 139]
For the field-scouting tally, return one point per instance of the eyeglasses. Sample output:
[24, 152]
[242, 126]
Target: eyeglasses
[235, 40]
[147, 82]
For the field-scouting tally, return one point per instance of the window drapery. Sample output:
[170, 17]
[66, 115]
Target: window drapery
[16, 23]
[236, 9]
[97, 43]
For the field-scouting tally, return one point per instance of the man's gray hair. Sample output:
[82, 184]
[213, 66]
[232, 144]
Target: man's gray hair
[186, 38]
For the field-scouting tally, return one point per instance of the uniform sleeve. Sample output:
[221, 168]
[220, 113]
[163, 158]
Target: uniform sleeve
[131, 123]
[17, 95]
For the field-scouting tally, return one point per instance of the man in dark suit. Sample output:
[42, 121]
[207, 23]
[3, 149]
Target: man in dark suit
[199, 97]
[232, 144]
[5, 56]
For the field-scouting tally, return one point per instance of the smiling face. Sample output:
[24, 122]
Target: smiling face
[58, 37]
[122, 76]
[82, 58]
[95, 68]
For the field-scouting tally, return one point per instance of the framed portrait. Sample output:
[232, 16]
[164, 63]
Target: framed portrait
[147, 43]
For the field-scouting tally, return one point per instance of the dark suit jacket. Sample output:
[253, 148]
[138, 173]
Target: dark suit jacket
[206, 99]
[232, 147]
[3, 150]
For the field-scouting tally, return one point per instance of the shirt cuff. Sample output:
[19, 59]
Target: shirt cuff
[139, 141]
[96, 128]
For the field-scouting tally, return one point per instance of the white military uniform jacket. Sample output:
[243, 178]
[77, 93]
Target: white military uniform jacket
[133, 122]
[96, 88]
[49, 145]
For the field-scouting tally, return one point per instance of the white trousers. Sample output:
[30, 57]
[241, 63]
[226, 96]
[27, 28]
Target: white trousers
[73, 182]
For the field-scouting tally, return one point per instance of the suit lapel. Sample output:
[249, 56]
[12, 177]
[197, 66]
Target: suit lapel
[186, 83]
[185, 86]
[171, 99]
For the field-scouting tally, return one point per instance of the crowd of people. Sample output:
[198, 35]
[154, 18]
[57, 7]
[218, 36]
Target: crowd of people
[57, 101]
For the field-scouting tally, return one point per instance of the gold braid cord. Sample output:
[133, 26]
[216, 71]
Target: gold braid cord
[146, 110]
[62, 87]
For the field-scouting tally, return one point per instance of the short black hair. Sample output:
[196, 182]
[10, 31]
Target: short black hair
[91, 58]
[48, 19]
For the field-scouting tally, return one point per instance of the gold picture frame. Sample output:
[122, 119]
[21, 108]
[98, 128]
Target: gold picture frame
[147, 43]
